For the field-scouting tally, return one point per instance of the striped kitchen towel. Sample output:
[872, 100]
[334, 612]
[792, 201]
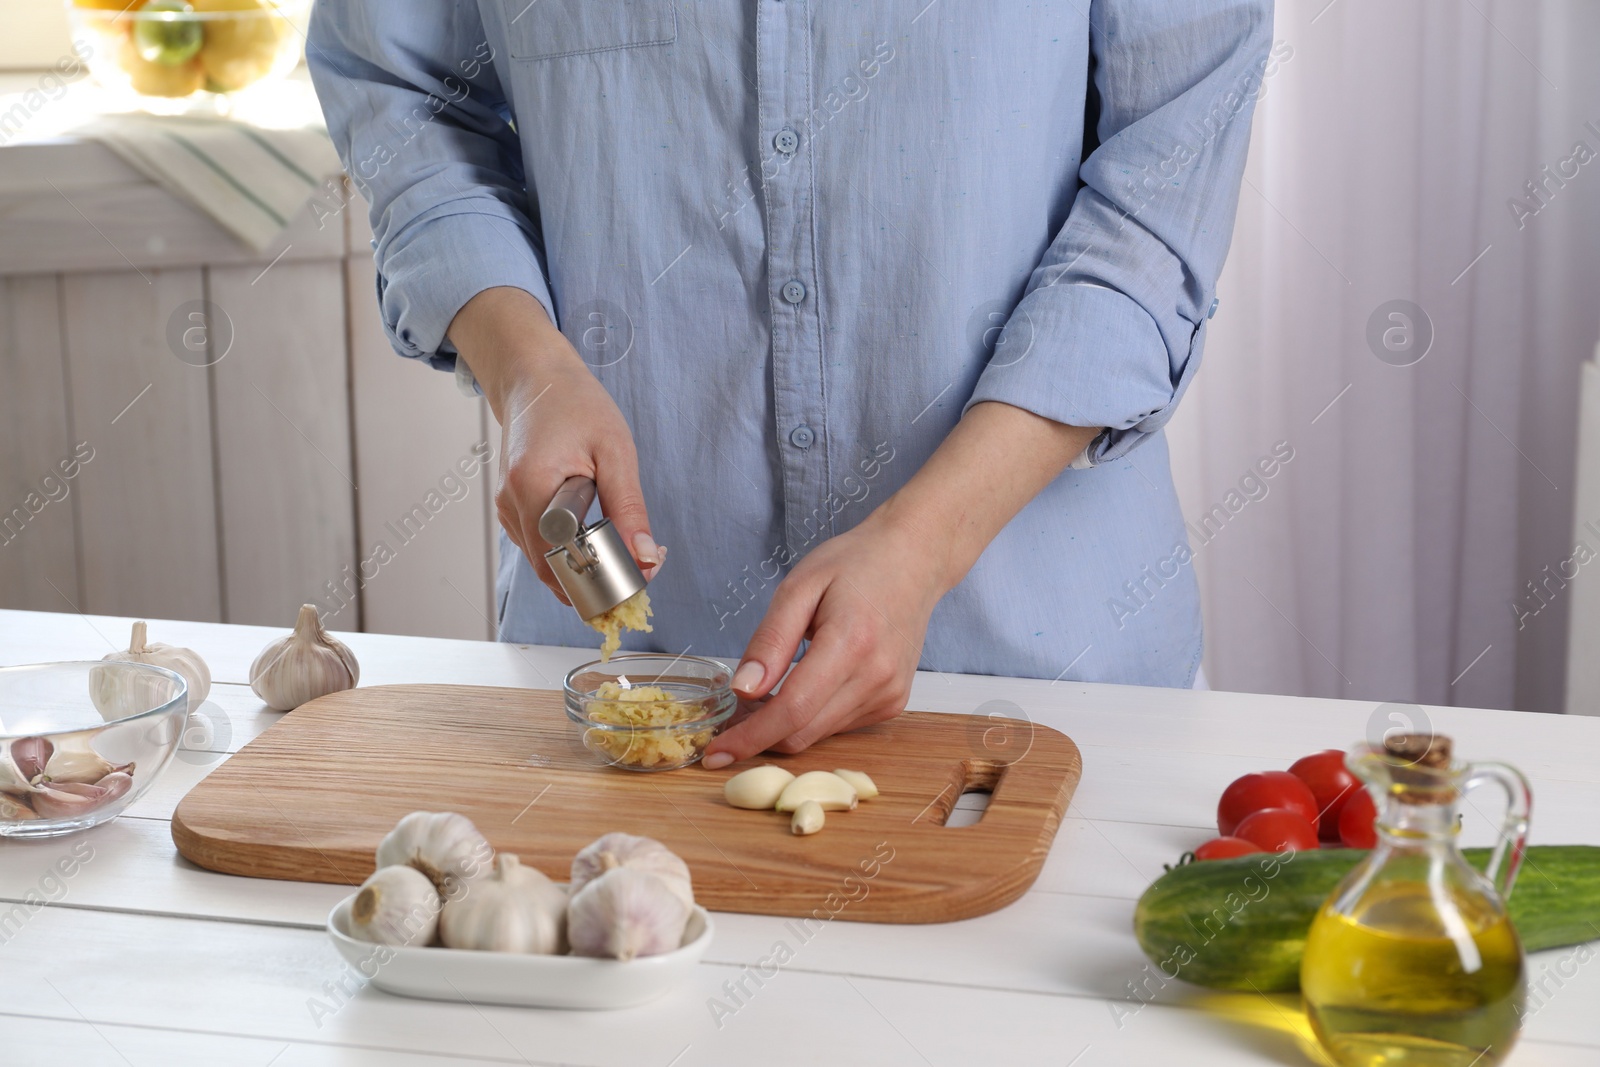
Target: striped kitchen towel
[252, 180]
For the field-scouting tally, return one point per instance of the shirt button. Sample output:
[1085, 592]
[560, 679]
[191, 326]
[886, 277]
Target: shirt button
[794, 292]
[1213, 312]
[801, 437]
[786, 141]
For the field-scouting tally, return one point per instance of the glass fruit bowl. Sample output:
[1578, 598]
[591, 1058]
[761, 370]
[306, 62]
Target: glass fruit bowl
[175, 49]
[647, 712]
[79, 742]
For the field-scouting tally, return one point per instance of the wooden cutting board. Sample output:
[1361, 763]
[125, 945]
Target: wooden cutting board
[311, 798]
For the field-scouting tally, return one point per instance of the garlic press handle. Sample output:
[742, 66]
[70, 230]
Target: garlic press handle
[563, 518]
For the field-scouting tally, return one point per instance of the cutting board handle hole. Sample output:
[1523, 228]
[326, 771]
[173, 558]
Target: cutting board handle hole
[969, 808]
[965, 797]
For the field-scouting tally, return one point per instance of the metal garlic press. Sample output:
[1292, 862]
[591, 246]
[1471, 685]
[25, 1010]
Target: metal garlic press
[594, 567]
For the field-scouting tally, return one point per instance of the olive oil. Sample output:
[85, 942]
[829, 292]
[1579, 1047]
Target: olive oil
[1418, 974]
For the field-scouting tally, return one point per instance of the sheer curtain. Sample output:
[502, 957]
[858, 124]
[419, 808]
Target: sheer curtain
[1397, 205]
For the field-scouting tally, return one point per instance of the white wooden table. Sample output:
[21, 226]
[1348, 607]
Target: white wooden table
[142, 958]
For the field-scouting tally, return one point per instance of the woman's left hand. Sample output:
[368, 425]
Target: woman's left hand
[865, 608]
[864, 597]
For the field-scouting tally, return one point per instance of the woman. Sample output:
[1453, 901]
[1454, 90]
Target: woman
[882, 308]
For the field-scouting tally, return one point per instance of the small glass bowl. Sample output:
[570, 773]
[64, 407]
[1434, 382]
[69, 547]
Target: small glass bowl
[673, 734]
[79, 742]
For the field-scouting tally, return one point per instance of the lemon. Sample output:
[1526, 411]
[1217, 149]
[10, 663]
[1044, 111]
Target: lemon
[238, 51]
[158, 79]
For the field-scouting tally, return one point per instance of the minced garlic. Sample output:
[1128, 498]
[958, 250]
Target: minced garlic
[631, 614]
[644, 706]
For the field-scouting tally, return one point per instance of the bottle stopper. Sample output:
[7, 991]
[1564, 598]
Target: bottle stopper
[1421, 764]
[591, 564]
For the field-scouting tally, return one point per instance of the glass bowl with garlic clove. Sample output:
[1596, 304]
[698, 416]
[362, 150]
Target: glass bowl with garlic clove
[80, 742]
[649, 712]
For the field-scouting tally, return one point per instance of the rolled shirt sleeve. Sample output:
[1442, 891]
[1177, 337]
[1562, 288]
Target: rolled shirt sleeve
[1111, 325]
[417, 113]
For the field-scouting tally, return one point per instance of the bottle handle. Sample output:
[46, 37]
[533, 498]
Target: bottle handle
[1506, 859]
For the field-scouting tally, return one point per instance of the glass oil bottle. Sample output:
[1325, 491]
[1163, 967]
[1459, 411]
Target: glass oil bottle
[1413, 962]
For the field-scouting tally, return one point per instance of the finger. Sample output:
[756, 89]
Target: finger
[512, 525]
[809, 689]
[879, 686]
[838, 715]
[525, 535]
[858, 716]
[525, 493]
[541, 566]
[622, 500]
[542, 571]
[777, 638]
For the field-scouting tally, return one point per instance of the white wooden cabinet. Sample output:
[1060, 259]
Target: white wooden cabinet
[227, 486]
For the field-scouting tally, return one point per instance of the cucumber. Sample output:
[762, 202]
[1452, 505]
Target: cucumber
[1241, 923]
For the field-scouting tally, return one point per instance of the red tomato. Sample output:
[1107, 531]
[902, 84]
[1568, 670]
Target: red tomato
[1325, 774]
[1356, 829]
[1278, 830]
[1222, 848]
[1256, 792]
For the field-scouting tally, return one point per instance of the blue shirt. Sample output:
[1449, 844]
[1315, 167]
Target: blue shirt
[796, 240]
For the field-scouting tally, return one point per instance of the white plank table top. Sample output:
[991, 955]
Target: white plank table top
[143, 958]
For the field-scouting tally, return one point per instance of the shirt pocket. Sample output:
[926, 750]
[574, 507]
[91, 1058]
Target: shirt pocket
[548, 29]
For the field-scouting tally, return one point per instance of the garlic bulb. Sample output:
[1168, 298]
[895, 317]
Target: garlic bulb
[73, 759]
[626, 913]
[303, 666]
[515, 909]
[185, 662]
[442, 845]
[639, 853]
[396, 906]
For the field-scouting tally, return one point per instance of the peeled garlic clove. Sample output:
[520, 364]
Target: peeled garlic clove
[757, 789]
[515, 909]
[640, 853]
[626, 913]
[306, 664]
[443, 845]
[808, 818]
[864, 786]
[396, 906]
[830, 791]
[184, 661]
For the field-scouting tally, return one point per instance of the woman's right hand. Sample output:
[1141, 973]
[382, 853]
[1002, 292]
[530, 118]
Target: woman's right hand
[556, 421]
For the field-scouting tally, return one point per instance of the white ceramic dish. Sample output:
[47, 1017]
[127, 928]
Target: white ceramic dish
[520, 979]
